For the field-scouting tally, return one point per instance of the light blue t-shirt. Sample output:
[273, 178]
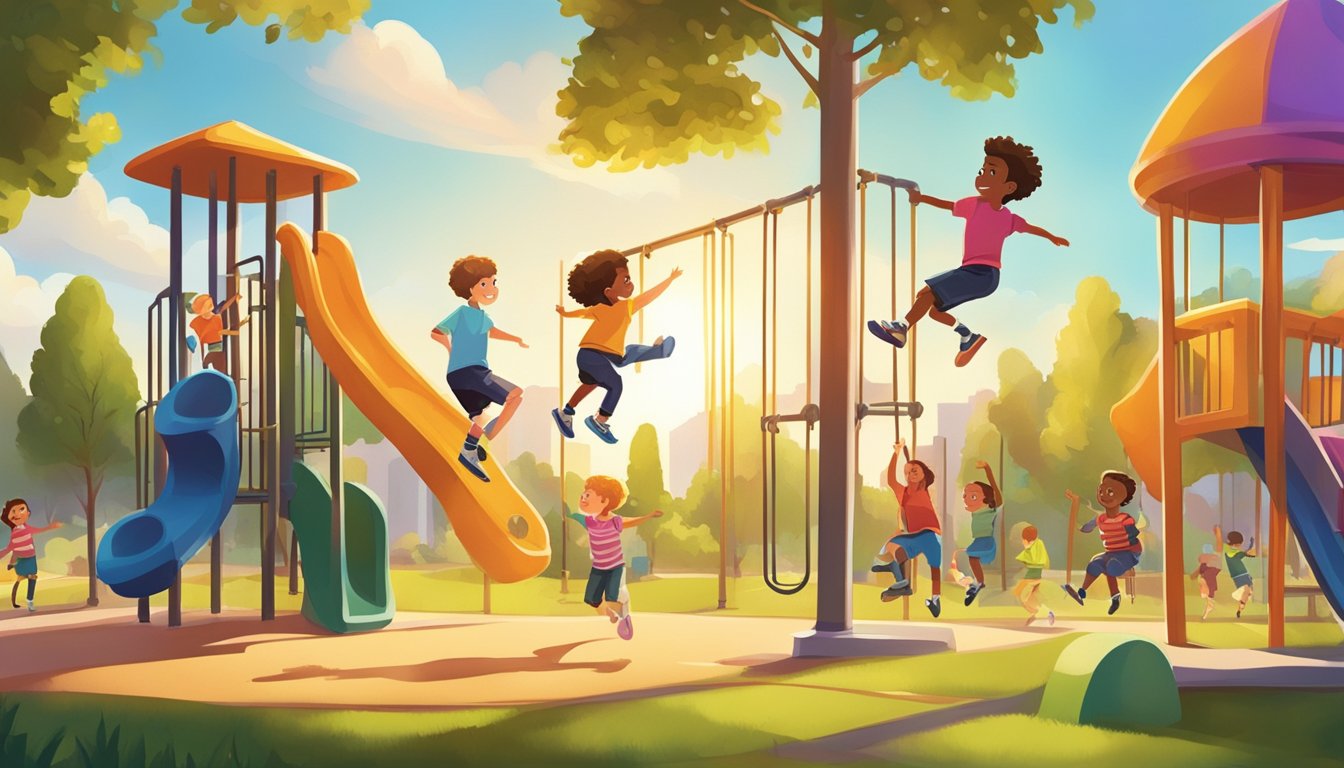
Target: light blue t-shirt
[469, 328]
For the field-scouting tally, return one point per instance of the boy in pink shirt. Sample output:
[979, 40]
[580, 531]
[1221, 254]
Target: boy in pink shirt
[601, 497]
[1010, 172]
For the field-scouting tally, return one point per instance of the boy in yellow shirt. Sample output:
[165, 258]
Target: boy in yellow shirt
[602, 284]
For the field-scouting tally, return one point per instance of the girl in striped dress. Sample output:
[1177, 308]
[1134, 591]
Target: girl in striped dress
[1119, 533]
[601, 496]
[15, 514]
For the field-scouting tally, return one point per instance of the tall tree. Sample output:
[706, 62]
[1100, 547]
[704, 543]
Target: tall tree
[56, 52]
[656, 80]
[644, 479]
[13, 399]
[84, 398]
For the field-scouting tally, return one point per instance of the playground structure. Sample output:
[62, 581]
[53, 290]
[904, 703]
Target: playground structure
[1249, 140]
[287, 370]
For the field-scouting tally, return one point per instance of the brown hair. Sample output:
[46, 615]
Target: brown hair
[1024, 169]
[467, 271]
[1234, 538]
[609, 488]
[928, 473]
[988, 490]
[1123, 479]
[9, 505]
[1030, 533]
[590, 278]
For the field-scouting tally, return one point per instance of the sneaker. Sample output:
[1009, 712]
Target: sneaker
[564, 421]
[1050, 617]
[625, 628]
[31, 607]
[881, 568]
[972, 591]
[602, 431]
[893, 592]
[1238, 612]
[969, 346]
[934, 605]
[481, 455]
[1077, 594]
[473, 464]
[1115, 605]
[892, 333]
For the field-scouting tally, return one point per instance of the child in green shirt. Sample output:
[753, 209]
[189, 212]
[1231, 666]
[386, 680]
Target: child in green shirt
[1036, 560]
[982, 501]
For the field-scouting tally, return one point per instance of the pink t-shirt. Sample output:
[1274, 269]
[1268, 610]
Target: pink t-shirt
[604, 539]
[20, 542]
[986, 229]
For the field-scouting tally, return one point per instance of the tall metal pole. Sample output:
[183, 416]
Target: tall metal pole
[270, 373]
[724, 425]
[177, 362]
[212, 268]
[1271, 355]
[1173, 517]
[1003, 523]
[560, 389]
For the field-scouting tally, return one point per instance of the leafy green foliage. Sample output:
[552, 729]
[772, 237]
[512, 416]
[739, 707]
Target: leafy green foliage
[14, 745]
[13, 399]
[56, 52]
[644, 479]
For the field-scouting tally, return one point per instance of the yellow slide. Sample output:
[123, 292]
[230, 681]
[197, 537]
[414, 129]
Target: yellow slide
[1138, 424]
[498, 527]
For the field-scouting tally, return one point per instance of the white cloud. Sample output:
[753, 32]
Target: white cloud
[85, 232]
[391, 80]
[25, 305]
[1318, 244]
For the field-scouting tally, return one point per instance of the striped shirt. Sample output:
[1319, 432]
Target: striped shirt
[20, 542]
[1116, 532]
[604, 540]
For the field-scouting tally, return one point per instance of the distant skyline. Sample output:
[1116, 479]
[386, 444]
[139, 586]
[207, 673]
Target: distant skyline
[446, 111]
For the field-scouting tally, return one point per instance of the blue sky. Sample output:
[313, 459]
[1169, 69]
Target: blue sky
[430, 194]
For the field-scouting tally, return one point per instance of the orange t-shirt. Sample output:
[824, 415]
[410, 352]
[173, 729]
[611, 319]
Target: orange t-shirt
[917, 509]
[610, 324]
[210, 330]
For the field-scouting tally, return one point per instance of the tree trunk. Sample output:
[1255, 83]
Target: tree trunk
[835, 541]
[90, 503]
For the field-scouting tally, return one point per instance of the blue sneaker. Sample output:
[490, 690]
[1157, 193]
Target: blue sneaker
[601, 430]
[892, 333]
[563, 421]
[473, 464]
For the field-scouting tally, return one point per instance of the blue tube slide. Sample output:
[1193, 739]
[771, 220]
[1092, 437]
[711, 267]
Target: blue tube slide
[198, 423]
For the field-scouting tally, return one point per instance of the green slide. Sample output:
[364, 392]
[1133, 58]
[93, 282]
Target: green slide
[354, 595]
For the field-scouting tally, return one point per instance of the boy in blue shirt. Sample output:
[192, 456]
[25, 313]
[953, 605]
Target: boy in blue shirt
[465, 334]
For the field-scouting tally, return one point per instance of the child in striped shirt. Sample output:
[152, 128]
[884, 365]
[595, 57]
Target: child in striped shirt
[15, 514]
[601, 496]
[1119, 533]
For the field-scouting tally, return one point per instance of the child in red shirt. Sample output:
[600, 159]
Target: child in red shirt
[922, 532]
[1119, 533]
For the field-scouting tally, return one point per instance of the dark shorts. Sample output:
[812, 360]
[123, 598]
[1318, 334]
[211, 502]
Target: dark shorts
[984, 549]
[958, 286]
[1242, 580]
[1114, 564]
[477, 388]
[25, 566]
[603, 584]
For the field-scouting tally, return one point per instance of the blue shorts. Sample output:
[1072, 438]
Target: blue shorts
[1115, 564]
[26, 566]
[963, 284]
[926, 543]
[1242, 580]
[984, 549]
[476, 388]
[603, 583]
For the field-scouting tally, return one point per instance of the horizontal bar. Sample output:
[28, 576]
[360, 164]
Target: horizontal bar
[890, 181]
[811, 414]
[894, 408]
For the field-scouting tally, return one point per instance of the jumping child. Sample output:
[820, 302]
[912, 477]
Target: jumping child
[15, 514]
[1207, 575]
[1235, 556]
[923, 535]
[602, 284]
[1119, 535]
[982, 501]
[465, 334]
[1036, 559]
[601, 496]
[208, 324]
[1010, 172]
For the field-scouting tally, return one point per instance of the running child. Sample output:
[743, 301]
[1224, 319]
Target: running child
[1119, 533]
[1010, 172]
[602, 284]
[208, 325]
[1207, 575]
[601, 497]
[922, 533]
[1235, 557]
[1028, 589]
[15, 515]
[982, 501]
[466, 334]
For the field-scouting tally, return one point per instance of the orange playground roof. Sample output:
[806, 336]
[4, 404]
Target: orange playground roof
[209, 149]
[1272, 94]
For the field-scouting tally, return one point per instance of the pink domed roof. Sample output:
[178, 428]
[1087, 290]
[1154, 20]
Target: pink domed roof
[1272, 94]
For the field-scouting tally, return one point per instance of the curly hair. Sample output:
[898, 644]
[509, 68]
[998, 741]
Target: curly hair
[1024, 169]
[469, 270]
[609, 488]
[987, 491]
[1123, 479]
[11, 504]
[590, 278]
